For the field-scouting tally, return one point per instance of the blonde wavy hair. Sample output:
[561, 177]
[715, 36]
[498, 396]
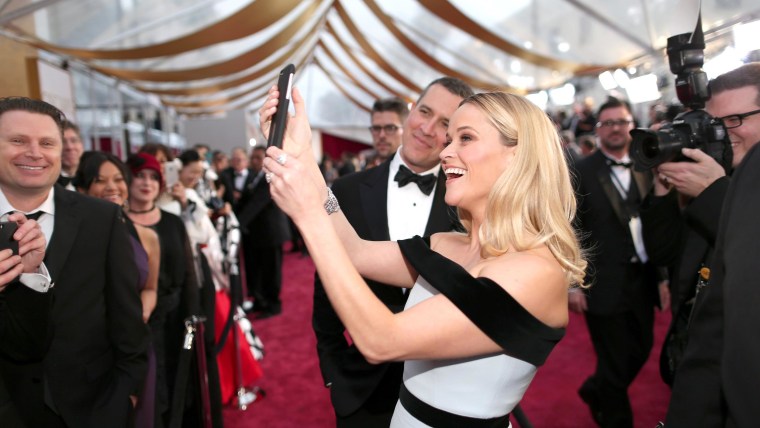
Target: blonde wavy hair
[532, 203]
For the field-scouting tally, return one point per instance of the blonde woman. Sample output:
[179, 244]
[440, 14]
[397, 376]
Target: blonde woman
[486, 307]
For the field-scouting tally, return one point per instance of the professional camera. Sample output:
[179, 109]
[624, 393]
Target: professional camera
[694, 129]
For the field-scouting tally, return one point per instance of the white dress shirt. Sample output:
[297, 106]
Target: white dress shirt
[39, 281]
[408, 207]
[623, 180]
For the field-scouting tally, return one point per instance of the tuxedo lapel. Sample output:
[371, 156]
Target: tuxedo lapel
[249, 178]
[643, 182]
[442, 217]
[373, 192]
[613, 196]
[65, 226]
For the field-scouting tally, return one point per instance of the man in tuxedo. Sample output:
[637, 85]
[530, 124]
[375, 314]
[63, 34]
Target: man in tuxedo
[236, 177]
[388, 115]
[264, 230]
[72, 152]
[400, 198]
[24, 306]
[95, 365]
[712, 382]
[619, 306]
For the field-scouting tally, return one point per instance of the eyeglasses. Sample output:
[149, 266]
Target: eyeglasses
[389, 129]
[611, 123]
[735, 120]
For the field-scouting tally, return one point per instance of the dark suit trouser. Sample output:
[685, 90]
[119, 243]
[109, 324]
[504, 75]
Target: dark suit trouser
[377, 411]
[622, 342]
[263, 272]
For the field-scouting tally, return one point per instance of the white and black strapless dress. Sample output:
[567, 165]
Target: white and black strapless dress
[478, 391]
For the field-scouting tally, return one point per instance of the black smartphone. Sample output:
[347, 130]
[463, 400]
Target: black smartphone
[280, 119]
[7, 229]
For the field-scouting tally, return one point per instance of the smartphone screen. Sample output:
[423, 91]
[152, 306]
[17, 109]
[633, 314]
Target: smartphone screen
[171, 173]
[284, 84]
[7, 229]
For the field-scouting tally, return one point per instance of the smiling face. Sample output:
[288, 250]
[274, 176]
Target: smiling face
[474, 158]
[386, 142]
[145, 186]
[425, 128]
[110, 184]
[191, 174]
[72, 150]
[30, 155]
[738, 101]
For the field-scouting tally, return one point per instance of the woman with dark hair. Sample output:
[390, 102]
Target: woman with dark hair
[178, 285]
[103, 175]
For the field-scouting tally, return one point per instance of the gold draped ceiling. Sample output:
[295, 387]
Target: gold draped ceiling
[217, 87]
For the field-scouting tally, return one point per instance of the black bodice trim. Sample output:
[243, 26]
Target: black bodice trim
[485, 303]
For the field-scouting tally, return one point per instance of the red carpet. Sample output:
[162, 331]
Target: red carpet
[295, 397]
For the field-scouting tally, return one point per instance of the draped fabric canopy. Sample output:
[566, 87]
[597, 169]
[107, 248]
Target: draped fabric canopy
[202, 57]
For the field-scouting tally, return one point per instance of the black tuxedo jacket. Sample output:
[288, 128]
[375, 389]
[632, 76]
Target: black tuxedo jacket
[682, 240]
[603, 220]
[227, 178]
[97, 356]
[259, 216]
[716, 383]
[24, 336]
[363, 199]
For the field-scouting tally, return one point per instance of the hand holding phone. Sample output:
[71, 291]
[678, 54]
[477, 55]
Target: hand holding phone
[7, 229]
[280, 118]
[171, 173]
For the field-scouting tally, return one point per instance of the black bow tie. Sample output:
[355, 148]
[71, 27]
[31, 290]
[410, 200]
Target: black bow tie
[405, 176]
[613, 162]
[31, 216]
[35, 215]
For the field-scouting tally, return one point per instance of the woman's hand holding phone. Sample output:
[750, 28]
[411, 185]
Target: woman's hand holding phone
[297, 137]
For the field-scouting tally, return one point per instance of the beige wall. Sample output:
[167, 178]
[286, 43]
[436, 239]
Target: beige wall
[14, 77]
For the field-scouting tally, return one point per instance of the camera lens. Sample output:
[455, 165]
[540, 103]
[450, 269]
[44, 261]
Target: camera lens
[650, 147]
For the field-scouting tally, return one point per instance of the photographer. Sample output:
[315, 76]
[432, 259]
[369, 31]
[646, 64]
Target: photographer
[696, 398]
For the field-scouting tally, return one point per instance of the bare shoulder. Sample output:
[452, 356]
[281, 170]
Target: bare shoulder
[148, 237]
[534, 279]
[445, 242]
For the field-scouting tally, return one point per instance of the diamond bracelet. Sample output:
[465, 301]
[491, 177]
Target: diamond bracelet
[331, 204]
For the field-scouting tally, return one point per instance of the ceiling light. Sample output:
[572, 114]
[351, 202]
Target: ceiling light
[539, 98]
[563, 46]
[515, 66]
[607, 80]
[722, 63]
[563, 96]
[747, 37]
[252, 142]
[643, 89]
[621, 77]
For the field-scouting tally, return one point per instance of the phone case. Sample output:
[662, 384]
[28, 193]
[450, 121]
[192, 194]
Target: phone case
[284, 83]
[7, 229]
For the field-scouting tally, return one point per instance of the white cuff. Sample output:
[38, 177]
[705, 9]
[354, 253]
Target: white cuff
[39, 281]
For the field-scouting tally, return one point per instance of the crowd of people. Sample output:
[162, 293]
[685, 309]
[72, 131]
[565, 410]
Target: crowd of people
[447, 263]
